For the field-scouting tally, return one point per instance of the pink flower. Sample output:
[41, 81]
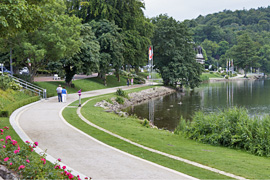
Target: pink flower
[21, 167]
[70, 176]
[64, 167]
[16, 151]
[36, 143]
[44, 160]
[7, 128]
[14, 142]
[1, 130]
[4, 146]
[59, 159]
[27, 142]
[10, 164]
[34, 146]
[2, 133]
[27, 160]
[79, 178]
[8, 137]
[6, 159]
[2, 140]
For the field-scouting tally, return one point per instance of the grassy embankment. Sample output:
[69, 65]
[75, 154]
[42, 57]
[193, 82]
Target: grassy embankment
[88, 84]
[207, 76]
[233, 161]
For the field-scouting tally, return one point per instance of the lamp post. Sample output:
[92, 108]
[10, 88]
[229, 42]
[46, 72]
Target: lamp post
[80, 93]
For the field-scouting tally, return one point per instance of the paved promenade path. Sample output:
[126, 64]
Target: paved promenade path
[43, 122]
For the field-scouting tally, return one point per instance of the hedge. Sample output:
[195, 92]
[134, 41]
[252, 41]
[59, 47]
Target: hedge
[8, 110]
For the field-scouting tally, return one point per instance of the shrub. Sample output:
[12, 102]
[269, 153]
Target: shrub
[230, 128]
[6, 112]
[120, 100]
[15, 86]
[4, 82]
[145, 123]
[121, 92]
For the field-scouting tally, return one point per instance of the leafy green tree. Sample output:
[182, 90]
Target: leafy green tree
[174, 53]
[245, 53]
[264, 54]
[87, 59]
[127, 15]
[55, 40]
[210, 47]
[111, 47]
[20, 15]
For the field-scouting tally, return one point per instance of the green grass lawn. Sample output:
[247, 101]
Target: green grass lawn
[88, 84]
[207, 76]
[229, 160]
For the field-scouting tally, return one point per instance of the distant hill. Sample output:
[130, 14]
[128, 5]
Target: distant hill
[219, 33]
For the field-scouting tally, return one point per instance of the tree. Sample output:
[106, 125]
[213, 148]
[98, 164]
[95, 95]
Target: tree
[264, 54]
[20, 15]
[55, 40]
[127, 15]
[87, 59]
[111, 47]
[174, 53]
[244, 53]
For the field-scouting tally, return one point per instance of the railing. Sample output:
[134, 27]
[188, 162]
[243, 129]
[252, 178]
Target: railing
[31, 87]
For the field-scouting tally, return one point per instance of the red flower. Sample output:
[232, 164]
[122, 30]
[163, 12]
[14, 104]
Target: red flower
[1, 130]
[27, 160]
[36, 143]
[64, 167]
[6, 159]
[59, 159]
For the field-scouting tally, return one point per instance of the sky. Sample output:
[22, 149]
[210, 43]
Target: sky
[191, 9]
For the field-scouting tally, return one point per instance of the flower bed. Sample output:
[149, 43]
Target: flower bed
[19, 161]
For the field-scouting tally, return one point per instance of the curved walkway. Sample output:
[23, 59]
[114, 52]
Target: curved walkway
[43, 122]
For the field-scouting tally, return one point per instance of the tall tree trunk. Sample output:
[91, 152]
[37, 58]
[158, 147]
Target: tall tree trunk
[117, 74]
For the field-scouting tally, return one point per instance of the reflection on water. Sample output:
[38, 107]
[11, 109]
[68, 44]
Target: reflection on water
[165, 112]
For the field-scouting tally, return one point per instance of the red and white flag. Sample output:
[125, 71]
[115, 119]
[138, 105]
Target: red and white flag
[150, 53]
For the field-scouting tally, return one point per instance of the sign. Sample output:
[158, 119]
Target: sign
[150, 53]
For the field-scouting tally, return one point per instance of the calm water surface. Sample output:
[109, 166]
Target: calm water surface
[165, 112]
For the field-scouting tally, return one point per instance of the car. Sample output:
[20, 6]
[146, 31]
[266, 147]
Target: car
[24, 70]
[5, 70]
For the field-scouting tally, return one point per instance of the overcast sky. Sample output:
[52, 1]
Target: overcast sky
[191, 9]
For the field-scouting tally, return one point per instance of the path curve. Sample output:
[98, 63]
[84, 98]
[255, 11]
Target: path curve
[42, 122]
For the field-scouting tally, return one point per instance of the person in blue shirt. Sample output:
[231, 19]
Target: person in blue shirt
[64, 94]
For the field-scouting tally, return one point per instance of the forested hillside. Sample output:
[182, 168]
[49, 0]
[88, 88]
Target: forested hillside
[224, 35]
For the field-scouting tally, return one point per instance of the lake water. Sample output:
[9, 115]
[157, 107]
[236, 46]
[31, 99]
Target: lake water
[165, 112]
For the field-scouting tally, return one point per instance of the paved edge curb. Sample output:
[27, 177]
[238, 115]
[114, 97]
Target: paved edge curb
[13, 119]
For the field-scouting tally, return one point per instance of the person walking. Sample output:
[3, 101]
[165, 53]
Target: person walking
[59, 93]
[64, 94]
[131, 81]
[128, 82]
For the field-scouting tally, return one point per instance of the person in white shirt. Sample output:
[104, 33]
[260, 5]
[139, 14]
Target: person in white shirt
[59, 93]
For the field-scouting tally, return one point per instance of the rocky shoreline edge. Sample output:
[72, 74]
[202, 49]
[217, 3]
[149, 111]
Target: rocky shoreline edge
[133, 99]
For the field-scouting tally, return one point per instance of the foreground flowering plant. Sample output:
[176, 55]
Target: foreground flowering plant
[29, 165]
